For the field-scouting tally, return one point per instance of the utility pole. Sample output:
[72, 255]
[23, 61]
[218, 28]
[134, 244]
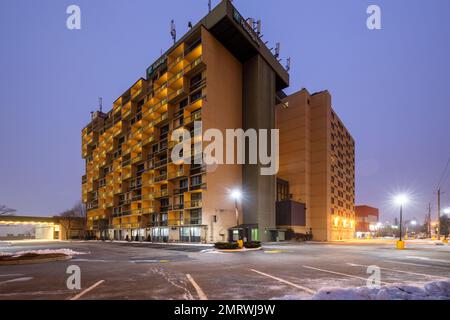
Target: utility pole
[439, 214]
[401, 222]
[429, 220]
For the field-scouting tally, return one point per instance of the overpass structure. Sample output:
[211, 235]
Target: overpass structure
[48, 228]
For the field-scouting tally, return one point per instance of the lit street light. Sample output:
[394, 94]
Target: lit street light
[401, 200]
[236, 195]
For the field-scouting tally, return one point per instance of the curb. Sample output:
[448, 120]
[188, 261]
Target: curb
[237, 250]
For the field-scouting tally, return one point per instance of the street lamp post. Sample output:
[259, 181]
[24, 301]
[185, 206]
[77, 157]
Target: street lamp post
[401, 221]
[236, 195]
[401, 200]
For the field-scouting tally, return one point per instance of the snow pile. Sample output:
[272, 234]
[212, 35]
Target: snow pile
[67, 252]
[436, 290]
[211, 251]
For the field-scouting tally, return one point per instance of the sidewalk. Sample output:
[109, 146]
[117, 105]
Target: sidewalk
[207, 245]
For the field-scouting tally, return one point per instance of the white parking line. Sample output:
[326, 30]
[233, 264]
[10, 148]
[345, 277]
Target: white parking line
[417, 264]
[427, 259]
[341, 274]
[78, 296]
[285, 281]
[199, 290]
[17, 280]
[401, 271]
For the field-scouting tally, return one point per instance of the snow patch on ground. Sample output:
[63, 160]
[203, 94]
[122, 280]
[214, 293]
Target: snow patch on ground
[436, 290]
[67, 252]
[211, 251]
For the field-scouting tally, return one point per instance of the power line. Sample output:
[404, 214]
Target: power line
[443, 176]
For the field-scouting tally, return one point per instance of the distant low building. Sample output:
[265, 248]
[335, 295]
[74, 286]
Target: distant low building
[45, 228]
[367, 219]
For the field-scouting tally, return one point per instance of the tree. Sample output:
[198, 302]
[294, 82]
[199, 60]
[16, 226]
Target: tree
[77, 212]
[6, 211]
[444, 220]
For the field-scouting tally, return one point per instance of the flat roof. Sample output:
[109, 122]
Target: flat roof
[232, 30]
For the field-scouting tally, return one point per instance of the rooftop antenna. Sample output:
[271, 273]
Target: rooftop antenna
[173, 31]
[100, 103]
[251, 22]
[277, 50]
[190, 25]
[259, 26]
[288, 64]
[92, 115]
[209, 6]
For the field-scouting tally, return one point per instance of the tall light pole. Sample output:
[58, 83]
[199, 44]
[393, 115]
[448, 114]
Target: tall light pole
[236, 195]
[439, 215]
[401, 200]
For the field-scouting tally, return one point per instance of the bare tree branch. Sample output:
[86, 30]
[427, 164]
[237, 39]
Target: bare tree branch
[78, 211]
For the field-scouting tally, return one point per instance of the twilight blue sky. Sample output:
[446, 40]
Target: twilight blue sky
[390, 87]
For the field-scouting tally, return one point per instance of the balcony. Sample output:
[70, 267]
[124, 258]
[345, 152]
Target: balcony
[192, 221]
[126, 163]
[102, 183]
[148, 197]
[180, 190]
[193, 204]
[160, 163]
[92, 205]
[136, 183]
[195, 116]
[126, 175]
[161, 193]
[177, 174]
[161, 177]
[160, 119]
[138, 158]
[178, 206]
[163, 223]
[197, 186]
[148, 140]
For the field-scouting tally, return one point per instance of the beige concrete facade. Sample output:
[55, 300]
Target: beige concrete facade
[317, 157]
[222, 110]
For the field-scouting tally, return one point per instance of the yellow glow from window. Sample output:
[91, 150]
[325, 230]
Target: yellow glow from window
[336, 221]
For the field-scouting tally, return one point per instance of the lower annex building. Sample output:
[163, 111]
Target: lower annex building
[222, 74]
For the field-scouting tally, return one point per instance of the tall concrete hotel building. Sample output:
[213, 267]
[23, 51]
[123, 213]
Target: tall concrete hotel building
[222, 74]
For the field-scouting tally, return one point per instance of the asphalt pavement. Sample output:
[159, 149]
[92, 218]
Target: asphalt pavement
[279, 271]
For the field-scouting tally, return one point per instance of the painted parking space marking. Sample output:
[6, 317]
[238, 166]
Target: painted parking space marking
[16, 280]
[417, 264]
[427, 259]
[401, 271]
[284, 281]
[341, 274]
[197, 288]
[81, 294]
